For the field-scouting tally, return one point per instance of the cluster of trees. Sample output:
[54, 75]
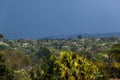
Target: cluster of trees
[65, 66]
[46, 64]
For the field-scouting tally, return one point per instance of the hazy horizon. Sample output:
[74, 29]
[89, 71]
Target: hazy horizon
[41, 18]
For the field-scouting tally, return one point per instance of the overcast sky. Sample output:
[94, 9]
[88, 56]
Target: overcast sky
[40, 18]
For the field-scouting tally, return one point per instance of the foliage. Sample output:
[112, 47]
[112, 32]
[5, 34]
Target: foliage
[22, 75]
[41, 60]
[66, 66]
[115, 52]
[114, 56]
[1, 36]
[17, 60]
[43, 52]
[74, 67]
[44, 69]
[100, 60]
[5, 72]
[3, 47]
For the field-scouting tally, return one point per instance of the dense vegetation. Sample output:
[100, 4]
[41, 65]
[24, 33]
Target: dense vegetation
[60, 59]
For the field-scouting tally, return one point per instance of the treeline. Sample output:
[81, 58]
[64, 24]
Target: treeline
[67, 65]
[60, 59]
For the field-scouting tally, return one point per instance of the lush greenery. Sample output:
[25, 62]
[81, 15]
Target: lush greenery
[5, 72]
[60, 59]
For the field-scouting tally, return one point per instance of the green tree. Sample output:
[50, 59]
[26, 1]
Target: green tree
[44, 69]
[74, 67]
[5, 72]
[66, 66]
[17, 60]
[43, 51]
[100, 59]
[114, 58]
[114, 53]
[1, 36]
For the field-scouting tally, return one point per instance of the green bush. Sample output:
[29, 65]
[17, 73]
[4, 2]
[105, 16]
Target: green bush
[66, 66]
[5, 72]
[74, 67]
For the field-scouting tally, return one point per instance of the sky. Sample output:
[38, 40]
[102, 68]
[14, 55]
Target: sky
[41, 18]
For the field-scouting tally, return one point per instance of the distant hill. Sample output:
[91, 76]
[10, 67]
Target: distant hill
[85, 35]
[97, 35]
